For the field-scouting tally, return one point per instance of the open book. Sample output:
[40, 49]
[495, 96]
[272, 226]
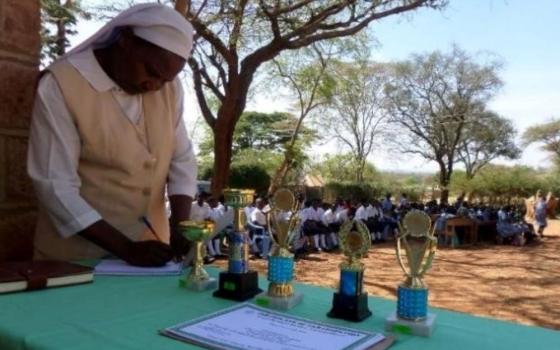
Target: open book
[33, 275]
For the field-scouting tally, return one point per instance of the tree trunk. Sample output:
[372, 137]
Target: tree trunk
[61, 31]
[443, 184]
[223, 140]
[181, 6]
[361, 164]
[280, 175]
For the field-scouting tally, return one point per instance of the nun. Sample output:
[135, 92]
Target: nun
[108, 142]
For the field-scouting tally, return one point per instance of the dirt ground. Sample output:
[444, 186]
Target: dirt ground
[520, 284]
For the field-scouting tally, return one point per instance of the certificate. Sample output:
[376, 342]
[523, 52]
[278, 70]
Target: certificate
[249, 327]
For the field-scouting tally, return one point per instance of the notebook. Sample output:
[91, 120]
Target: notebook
[117, 267]
[33, 275]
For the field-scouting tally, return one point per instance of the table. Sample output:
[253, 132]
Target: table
[126, 313]
[467, 224]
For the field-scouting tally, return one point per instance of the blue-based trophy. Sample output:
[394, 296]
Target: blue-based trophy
[350, 302]
[419, 245]
[238, 282]
[282, 221]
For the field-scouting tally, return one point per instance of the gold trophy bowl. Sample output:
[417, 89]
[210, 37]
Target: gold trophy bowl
[197, 232]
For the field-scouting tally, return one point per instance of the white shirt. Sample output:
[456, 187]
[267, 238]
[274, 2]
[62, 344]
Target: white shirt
[54, 148]
[215, 214]
[304, 214]
[200, 212]
[314, 214]
[329, 217]
[341, 214]
[248, 210]
[258, 216]
[373, 212]
[361, 213]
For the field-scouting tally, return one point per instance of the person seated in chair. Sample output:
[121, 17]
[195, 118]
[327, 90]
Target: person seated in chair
[201, 211]
[507, 230]
[258, 231]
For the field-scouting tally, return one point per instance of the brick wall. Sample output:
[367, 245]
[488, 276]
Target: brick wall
[19, 57]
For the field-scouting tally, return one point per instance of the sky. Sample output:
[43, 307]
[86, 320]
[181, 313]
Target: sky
[523, 34]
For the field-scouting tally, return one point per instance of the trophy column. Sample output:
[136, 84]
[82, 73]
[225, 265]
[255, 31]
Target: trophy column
[419, 245]
[238, 283]
[350, 303]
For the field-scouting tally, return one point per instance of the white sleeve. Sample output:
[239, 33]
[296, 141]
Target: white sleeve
[52, 161]
[183, 167]
[253, 217]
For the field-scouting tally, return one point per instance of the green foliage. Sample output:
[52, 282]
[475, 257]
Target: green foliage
[503, 182]
[249, 176]
[487, 137]
[253, 176]
[357, 191]
[339, 172]
[352, 191]
[547, 134]
[58, 21]
[343, 168]
[261, 131]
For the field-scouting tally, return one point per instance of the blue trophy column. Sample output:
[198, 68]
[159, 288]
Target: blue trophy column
[280, 269]
[412, 303]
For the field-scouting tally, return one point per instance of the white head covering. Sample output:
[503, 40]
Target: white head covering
[159, 24]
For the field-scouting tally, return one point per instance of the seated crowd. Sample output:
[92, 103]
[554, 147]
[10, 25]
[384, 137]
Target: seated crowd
[319, 222]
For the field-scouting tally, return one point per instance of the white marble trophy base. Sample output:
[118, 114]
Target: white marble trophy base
[200, 286]
[278, 303]
[421, 328]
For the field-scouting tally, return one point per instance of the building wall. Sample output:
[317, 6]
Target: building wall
[19, 60]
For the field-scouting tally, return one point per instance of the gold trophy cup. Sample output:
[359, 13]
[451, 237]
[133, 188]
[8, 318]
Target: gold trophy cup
[198, 232]
[282, 219]
[418, 244]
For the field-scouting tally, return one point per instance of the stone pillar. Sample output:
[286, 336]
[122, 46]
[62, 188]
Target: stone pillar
[19, 62]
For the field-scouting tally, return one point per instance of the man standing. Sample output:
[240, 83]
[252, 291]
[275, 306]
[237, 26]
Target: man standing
[108, 140]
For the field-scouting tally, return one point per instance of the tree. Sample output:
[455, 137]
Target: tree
[307, 80]
[355, 116]
[432, 98]
[486, 138]
[234, 38]
[547, 134]
[58, 21]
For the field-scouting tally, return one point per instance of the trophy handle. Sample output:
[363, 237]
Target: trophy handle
[399, 256]
[432, 246]
[272, 223]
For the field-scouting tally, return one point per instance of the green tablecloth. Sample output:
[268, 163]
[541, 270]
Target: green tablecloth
[126, 313]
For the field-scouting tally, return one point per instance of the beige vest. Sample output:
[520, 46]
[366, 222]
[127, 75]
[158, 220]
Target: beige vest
[123, 167]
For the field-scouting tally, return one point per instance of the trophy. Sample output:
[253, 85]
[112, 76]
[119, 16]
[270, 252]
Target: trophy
[350, 302]
[238, 283]
[197, 278]
[282, 221]
[419, 245]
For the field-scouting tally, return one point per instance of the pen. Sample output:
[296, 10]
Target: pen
[150, 227]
